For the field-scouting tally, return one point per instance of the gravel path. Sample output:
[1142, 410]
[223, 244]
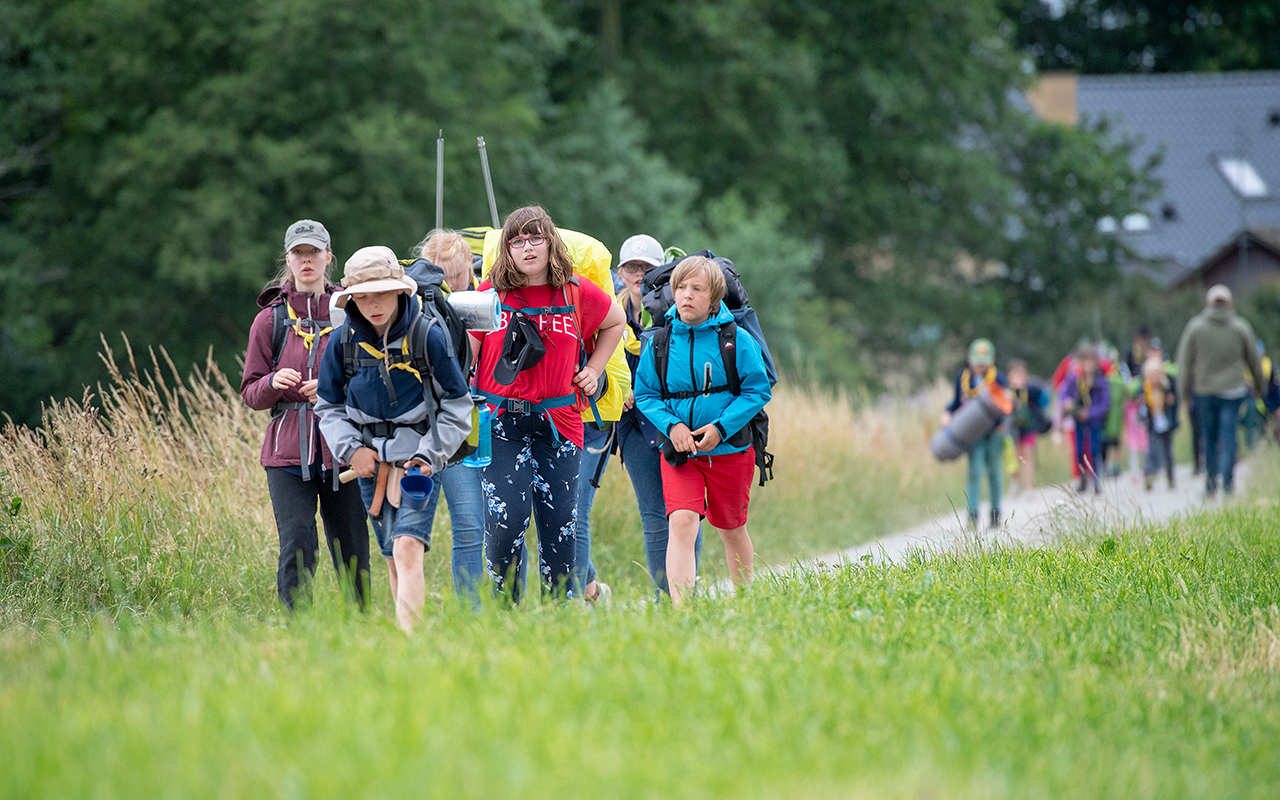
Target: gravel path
[1038, 516]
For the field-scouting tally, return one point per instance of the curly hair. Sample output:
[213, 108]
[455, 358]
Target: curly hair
[527, 221]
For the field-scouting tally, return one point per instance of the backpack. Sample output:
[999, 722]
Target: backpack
[658, 297]
[755, 432]
[285, 318]
[433, 309]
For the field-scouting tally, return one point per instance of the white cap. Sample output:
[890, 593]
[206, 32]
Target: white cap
[1218, 294]
[644, 248]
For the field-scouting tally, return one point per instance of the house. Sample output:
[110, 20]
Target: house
[1218, 218]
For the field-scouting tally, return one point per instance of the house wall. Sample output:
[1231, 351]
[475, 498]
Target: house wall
[1263, 267]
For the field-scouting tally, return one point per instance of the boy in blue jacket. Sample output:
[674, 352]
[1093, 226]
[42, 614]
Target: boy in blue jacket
[708, 460]
[986, 455]
[1086, 396]
[382, 418]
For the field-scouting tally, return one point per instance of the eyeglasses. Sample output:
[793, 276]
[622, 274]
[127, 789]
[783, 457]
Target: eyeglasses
[519, 242]
[636, 266]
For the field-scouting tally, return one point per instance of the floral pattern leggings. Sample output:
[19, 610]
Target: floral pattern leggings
[532, 470]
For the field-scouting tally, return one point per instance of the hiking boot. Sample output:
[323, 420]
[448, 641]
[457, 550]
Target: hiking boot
[1210, 488]
[1171, 483]
[1083, 485]
[973, 520]
[996, 524]
[1149, 481]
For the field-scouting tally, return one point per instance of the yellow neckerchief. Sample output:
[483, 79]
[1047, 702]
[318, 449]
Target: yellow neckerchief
[384, 356]
[1266, 371]
[308, 339]
[1154, 395]
[973, 391]
[1086, 391]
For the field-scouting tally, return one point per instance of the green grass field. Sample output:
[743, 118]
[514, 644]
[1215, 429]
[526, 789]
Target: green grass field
[141, 653]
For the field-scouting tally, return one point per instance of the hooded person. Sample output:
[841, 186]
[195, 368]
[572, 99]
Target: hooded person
[281, 367]
[1216, 351]
[381, 412]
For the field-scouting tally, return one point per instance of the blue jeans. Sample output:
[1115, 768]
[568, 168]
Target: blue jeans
[400, 522]
[534, 473]
[1089, 468]
[461, 486]
[584, 571]
[986, 457]
[642, 463]
[1217, 418]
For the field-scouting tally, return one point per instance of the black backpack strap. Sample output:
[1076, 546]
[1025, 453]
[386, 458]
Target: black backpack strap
[415, 342]
[350, 351]
[661, 344]
[279, 329]
[729, 355]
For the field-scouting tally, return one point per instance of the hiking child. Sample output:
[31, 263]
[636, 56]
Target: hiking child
[1030, 419]
[389, 414]
[986, 454]
[637, 439]
[1158, 409]
[1087, 399]
[280, 370]
[531, 374]
[459, 483]
[1135, 431]
[708, 458]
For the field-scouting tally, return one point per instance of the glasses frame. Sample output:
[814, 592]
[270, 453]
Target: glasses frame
[518, 242]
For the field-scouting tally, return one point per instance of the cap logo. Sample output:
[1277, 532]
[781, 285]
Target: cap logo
[304, 229]
[638, 247]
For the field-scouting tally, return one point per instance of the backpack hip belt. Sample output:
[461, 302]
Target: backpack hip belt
[387, 430]
[517, 405]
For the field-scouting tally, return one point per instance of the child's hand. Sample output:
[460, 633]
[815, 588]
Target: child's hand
[308, 389]
[682, 439]
[586, 380]
[285, 378]
[364, 462]
[630, 402]
[945, 419]
[420, 464]
[707, 437]
[1068, 406]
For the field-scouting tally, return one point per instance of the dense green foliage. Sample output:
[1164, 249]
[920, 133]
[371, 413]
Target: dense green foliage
[1110, 36]
[863, 164]
[1139, 664]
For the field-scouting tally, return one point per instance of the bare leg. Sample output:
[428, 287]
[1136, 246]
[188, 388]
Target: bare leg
[740, 554]
[412, 585]
[1027, 466]
[391, 576]
[682, 567]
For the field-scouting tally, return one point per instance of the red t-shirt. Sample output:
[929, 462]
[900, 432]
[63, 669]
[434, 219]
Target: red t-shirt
[553, 375]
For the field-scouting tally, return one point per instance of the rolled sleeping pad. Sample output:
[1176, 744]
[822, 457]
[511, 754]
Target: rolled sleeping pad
[480, 311]
[970, 423]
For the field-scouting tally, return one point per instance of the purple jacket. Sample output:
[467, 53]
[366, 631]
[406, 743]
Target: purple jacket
[1099, 397]
[293, 429]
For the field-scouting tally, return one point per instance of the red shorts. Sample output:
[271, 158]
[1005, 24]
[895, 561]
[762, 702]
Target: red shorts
[715, 487]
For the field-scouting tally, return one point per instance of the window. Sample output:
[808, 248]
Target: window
[1242, 177]
[1136, 223]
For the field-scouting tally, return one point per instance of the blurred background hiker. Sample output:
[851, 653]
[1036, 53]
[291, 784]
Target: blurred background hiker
[1030, 419]
[1217, 353]
[1117, 376]
[1135, 431]
[530, 374]
[459, 483]
[1158, 412]
[708, 457]
[1086, 398]
[986, 453]
[280, 371]
[384, 407]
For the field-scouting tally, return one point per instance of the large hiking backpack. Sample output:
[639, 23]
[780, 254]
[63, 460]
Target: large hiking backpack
[755, 432]
[658, 297]
[429, 308]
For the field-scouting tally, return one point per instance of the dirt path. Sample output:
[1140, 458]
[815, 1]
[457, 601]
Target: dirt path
[1037, 516]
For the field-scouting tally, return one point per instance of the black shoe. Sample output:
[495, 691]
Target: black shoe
[1210, 488]
[995, 520]
[1097, 486]
[1083, 485]
[973, 520]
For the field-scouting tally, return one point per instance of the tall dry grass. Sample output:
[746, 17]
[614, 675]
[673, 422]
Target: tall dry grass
[150, 498]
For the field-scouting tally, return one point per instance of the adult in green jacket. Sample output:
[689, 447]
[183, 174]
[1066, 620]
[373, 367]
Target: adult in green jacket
[1216, 349]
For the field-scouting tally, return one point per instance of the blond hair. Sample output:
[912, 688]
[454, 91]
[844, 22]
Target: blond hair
[709, 270]
[530, 221]
[450, 252]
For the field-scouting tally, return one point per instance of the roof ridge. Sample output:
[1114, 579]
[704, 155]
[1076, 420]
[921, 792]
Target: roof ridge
[1148, 81]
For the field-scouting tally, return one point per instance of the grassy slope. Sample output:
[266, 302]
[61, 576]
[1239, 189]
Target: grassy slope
[1139, 665]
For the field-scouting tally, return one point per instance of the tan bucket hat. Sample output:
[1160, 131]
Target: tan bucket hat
[371, 270]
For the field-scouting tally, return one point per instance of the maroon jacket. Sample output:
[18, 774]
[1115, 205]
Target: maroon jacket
[285, 434]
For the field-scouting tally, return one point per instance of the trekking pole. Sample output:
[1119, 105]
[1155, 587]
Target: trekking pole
[440, 181]
[488, 181]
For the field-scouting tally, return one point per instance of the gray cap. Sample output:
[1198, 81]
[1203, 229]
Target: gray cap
[1218, 295]
[306, 231]
[642, 247]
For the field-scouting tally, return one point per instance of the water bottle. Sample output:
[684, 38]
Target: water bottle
[484, 439]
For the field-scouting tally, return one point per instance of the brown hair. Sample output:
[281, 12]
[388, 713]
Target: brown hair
[709, 270]
[450, 252]
[1016, 363]
[284, 276]
[1087, 352]
[528, 221]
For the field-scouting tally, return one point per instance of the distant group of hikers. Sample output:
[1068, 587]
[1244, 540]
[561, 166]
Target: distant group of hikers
[379, 379]
[1220, 374]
